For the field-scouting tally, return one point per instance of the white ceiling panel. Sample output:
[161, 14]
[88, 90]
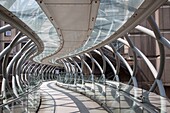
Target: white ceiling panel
[67, 1]
[74, 35]
[71, 44]
[73, 20]
[70, 17]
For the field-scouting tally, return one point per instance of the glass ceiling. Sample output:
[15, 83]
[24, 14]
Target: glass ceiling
[112, 14]
[32, 15]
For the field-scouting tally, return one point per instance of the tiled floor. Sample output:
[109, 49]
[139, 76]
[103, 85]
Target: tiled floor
[58, 100]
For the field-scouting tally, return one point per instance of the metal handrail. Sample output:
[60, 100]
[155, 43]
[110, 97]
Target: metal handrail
[20, 96]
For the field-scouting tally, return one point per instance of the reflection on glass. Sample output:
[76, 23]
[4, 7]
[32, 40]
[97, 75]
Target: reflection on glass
[117, 96]
[112, 14]
[31, 14]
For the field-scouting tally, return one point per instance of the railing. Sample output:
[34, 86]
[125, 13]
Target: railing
[27, 100]
[117, 97]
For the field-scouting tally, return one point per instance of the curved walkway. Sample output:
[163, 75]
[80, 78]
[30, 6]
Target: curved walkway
[58, 100]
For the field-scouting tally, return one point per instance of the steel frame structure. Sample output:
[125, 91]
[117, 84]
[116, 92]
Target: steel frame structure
[27, 75]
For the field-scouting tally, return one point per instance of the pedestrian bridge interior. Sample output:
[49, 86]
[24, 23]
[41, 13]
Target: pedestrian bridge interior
[80, 56]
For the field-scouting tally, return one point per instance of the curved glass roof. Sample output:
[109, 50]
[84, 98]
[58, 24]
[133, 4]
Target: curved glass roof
[112, 14]
[32, 15]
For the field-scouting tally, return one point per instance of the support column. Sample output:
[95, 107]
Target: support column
[126, 64]
[115, 71]
[160, 41]
[80, 70]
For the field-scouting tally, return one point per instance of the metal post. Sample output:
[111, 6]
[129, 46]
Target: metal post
[13, 64]
[5, 28]
[162, 56]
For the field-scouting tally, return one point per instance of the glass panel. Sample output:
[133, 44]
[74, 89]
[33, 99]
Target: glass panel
[31, 14]
[112, 14]
[117, 96]
[28, 100]
[8, 33]
[89, 86]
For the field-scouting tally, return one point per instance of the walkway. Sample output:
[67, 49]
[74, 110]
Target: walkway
[58, 100]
